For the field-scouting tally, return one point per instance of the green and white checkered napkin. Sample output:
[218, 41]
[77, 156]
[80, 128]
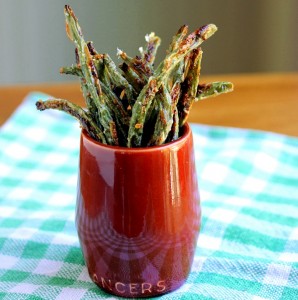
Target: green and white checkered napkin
[248, 246]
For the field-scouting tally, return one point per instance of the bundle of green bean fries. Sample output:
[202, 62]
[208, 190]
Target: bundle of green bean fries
[136, 105]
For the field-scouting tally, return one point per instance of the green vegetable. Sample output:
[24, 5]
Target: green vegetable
[137, 105]
[162, 76]
[74, 110]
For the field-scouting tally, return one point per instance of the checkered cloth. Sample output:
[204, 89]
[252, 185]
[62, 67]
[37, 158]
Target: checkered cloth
[248, 246]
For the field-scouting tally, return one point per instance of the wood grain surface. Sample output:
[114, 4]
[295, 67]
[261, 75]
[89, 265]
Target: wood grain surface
[260, 101]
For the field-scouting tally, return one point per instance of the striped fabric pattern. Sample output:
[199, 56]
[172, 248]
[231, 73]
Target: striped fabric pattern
[248, 245]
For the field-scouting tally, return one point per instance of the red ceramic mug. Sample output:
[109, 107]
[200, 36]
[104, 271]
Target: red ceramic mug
[138, 215]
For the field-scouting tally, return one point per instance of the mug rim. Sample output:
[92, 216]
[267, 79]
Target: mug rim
[185, 135]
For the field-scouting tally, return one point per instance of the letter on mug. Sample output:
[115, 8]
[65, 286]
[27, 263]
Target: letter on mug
[104, 284]
[133, 288]
[146, 286]
[119, 289]
[161, 286]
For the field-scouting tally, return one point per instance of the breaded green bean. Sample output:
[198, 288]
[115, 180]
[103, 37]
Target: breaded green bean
[164, 119]
[164, 69]
[92, 83]
[149, 54]
[138, 104]
[213, 89]
[74, 110]
[190, 85]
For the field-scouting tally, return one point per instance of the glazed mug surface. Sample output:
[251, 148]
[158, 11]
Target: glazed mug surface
[138, 215]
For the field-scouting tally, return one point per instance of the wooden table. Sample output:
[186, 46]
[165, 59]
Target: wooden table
[259, 101]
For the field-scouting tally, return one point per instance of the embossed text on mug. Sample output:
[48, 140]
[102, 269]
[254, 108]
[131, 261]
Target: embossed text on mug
[132, 288]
